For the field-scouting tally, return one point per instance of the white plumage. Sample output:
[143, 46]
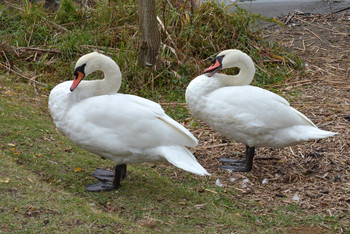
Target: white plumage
[244, 113]
[123, 128]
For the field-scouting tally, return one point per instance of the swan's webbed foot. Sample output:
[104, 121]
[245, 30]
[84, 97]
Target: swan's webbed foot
[100, 186]
[237, 168]
[109, 180]
[103, 174]
[232, 161]
[240, 165]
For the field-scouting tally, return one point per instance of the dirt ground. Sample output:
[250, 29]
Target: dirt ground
[315, 174]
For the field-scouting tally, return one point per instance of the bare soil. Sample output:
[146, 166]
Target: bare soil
[316, 172]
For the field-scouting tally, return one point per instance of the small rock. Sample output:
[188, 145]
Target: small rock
[218, 183]
[265, 181]
[232, 180]
[244, 183]
[296, 198]
[337, 178]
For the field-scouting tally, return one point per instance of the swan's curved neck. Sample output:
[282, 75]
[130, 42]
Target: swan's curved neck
[244, 77]
[110, 84]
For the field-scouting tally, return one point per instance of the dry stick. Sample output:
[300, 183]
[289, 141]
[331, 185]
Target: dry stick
[341, 10]
[39, 49]
[35, 89]
[216, 146]
[304, 21]
[289, 18]
[5, 57]
[173, 103]
[17, 73]
[30, 37]
[305, 28]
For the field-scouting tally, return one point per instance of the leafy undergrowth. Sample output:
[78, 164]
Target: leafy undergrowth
[43, 45]
[43, 177]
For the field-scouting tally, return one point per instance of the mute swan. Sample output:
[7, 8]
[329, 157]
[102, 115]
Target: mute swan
[123, 128]
[244, 113]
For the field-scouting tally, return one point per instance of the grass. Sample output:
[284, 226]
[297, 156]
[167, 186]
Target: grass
[42, 183]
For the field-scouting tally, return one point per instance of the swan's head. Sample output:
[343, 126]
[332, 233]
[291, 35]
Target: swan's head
[228, 59]
[87, 64]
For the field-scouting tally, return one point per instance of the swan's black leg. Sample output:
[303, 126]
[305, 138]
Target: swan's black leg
[122, 171]
[241, 165]
[106, 183]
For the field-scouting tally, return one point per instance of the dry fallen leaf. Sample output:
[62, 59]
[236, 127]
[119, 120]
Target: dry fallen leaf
[78, 169]
[6, 180]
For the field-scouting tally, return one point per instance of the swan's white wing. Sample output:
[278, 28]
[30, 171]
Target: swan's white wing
[159, 113]
[250, 111]
[123, 123]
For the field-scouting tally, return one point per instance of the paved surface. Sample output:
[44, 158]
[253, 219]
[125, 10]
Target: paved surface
[274, 8]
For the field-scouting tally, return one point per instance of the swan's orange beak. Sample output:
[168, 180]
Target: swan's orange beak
[77, 80]
[215, 67]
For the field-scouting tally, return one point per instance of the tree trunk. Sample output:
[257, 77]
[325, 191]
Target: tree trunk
[150, 35]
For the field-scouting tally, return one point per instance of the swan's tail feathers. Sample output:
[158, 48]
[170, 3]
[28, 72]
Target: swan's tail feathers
[181, 157]
[316, 133]
[306, 133]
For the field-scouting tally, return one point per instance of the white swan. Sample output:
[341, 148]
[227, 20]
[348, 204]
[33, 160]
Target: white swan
[244, 113]
[123, 128]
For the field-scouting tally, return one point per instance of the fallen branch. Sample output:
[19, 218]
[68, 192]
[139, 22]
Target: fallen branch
[216, 146]
[19, 74]
[39, 49]
[305, 28]
[289, 18]
[340, 10]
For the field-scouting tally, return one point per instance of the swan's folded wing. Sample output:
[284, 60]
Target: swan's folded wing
[125, 121]
[160, 114]
[254, 109]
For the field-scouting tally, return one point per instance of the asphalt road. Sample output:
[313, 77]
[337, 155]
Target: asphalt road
[274, 8]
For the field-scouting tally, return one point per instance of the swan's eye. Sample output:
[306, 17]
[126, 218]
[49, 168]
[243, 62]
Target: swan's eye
[79, 69]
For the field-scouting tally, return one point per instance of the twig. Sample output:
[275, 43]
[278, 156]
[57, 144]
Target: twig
[289, 18]
[341, 10]
[35, 89]
[293, 83]
[216, 146]
[17, 73]
[305, 28]
[39, 49]
[173, 103]
[315, 25]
